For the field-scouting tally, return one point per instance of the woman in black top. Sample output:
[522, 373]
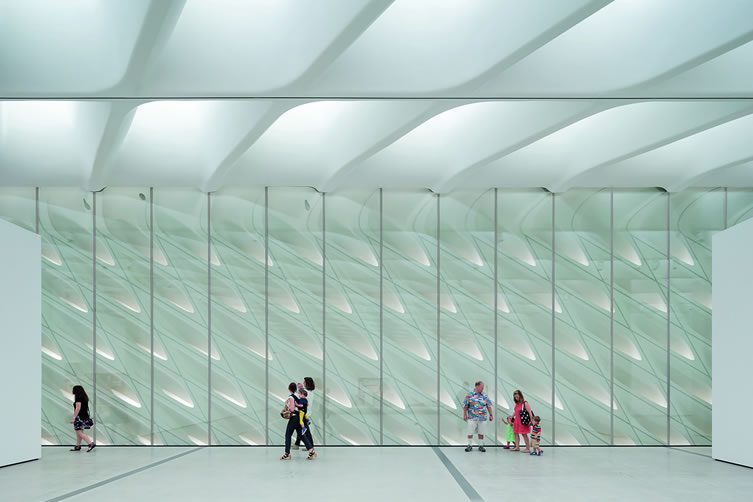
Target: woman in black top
[81, 419]
[292, 407]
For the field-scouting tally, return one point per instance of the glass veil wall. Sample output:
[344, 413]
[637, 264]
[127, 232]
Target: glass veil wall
[185, 314]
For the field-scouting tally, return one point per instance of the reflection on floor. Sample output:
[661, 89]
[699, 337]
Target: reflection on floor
[383, 474]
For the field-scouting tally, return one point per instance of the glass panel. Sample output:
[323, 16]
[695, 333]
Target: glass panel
[65, 223]
[410, 318]
[352, 318]
[739, 206]
[238, 336]
[18, 206]
[295, 302]
[123, 316]
[640, 317]
[582, 326]
[695, 216]
[181, 339]
[524, 329]
[466, 306]
[412, 302]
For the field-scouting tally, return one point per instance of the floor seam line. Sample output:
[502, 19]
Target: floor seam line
[689, 452]
[122, 475]
[464, 484]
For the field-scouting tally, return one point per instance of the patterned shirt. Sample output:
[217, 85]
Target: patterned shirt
[536, 432]
[476, 404]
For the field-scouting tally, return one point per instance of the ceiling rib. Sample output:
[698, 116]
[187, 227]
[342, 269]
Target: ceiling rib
[350, 169]
[341, 43]
[159, 24]
[223, 168]
[117, 125]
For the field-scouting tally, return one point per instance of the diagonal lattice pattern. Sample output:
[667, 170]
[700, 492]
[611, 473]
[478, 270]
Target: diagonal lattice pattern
[387, 299]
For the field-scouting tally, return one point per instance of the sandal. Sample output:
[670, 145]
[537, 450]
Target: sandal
[287, 456]
[76, 448]
[92, 445]
[312, 455]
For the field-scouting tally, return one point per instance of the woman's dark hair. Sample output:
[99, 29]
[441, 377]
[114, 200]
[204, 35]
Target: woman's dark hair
[79, 394]
[292, 387]
[308, 383]
[522, 399]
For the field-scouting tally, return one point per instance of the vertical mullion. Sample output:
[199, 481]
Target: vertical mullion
[209, 318]
[669, 320]
[724, 226]
[151, 315]
[381, 319]
[324, 319]
[36, 210]
[496, 300]
[439, 301]
[94, 312]
[611, 316]
[266, 316]
[554, 300]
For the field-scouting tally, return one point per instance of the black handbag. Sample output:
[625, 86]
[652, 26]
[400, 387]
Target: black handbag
[525, 418]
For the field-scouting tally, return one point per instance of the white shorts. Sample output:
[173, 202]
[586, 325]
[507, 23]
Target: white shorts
[476, 427]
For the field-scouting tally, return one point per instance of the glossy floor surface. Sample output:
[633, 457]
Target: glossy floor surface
[366, 474]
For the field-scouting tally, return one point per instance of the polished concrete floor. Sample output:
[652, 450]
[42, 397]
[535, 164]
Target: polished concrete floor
[366, 474]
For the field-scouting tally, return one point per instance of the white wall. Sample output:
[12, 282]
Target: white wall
[732, 344]
[20, 344]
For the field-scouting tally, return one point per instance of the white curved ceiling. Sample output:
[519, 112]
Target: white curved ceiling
[332, 145]
[442, 94]
[356, 48]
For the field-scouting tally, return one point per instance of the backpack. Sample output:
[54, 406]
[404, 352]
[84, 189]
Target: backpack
[286, 413]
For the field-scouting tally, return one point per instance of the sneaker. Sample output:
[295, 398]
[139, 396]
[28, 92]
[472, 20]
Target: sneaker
[312, 455]
[468, 448]
[482, 449]
[92, 445]
[287, 456]
[533, 453]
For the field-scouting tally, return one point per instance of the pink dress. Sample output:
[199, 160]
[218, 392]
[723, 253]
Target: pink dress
[517, 427]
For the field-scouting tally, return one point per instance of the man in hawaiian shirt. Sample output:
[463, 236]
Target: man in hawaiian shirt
[475, 408]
